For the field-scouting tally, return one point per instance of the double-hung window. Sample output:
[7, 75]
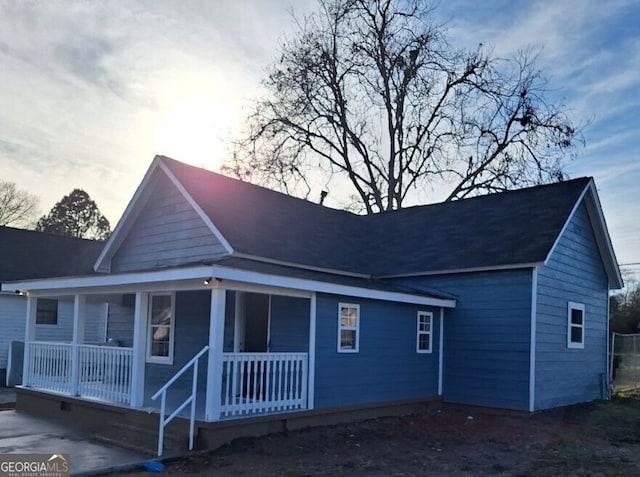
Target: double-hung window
[348, 328]
[575, 325]
[424, 336]
[160, 328]
[46, 311]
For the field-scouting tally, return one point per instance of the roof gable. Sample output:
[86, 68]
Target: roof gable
[156, 173]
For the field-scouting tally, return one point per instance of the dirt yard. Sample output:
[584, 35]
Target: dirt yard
[592, 440]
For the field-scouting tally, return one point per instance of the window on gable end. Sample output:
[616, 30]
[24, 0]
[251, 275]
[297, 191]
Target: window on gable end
[575, 325]
[424, 335]
[348, 328]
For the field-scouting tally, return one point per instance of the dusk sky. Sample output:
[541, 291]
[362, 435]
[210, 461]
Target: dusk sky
[90, 91]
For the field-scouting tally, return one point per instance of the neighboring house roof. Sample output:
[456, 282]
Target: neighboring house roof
[26, 254]
[506, 230]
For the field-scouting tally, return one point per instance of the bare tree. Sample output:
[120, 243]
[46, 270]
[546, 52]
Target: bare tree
[372, 90]
[18, 207]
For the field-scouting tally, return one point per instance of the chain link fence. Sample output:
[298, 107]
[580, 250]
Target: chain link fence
[625, 362]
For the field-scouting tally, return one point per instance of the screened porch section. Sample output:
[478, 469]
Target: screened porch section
[261, 366]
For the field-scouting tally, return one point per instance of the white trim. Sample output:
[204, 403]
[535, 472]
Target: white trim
[151, 279]
[601, 233]
[356, 328]
[79, 313]
[105, 332]
[152, 359]
[138, 361]
[135, 205]
[124, 224]
[214, 366]
[609, 364]
[515, 266]
[440, 353]
[533, 339]
[603, 239]
[570, 307]
[311, 381]
[205, 218]
[96, 282]
[29, 336]
[419, 315]
[566, 224]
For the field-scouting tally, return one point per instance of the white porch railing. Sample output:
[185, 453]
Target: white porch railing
[49, 366]
[254, 383]
[104, 372]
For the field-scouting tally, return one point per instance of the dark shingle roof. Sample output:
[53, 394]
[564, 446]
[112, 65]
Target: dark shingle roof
[505, 229]
[261, 222]
[25, 254]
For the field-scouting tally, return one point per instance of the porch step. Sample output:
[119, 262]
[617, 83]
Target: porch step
[141, 437]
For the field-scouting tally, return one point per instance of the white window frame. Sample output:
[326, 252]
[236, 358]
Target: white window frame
[341, 328]
[161, 359]
[420, 332]
[570, 326]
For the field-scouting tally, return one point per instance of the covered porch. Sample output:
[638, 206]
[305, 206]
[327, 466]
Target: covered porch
[228, 348]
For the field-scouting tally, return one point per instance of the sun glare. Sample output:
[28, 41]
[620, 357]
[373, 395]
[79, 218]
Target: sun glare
[193, 129]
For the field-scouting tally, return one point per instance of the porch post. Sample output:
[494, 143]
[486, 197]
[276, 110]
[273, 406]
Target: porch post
[311, 372]
[441, 352]
[216, 343]
[79, 305]
[29, 336]
[139, 349]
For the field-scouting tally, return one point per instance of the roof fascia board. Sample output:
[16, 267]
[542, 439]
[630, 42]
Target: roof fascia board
[566, 224]
[601, 233]
[515, 266]
[603, 239]
[111, 280]
[205, 218]
[103, 263]
[136, 280]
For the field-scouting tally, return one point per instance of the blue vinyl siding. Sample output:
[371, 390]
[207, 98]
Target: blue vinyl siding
[192, 309]
[486, 337]
[575, 273]
[167, 232]
[13, 316]
[387, 366]
[289, 331]
[120, 322]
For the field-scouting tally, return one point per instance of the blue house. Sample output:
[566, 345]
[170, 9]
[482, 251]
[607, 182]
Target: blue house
[261, 307]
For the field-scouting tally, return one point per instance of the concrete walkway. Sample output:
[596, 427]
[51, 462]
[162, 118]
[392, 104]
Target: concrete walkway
[22, 433]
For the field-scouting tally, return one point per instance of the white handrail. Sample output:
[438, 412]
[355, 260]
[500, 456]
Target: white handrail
[190, 400]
